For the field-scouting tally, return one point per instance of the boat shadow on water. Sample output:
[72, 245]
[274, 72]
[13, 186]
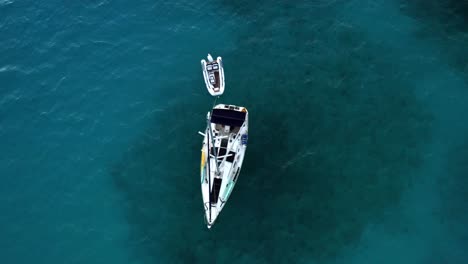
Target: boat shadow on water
[326, 156]
[314, 176]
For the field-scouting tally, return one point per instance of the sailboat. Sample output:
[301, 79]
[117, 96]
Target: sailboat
[222, 154]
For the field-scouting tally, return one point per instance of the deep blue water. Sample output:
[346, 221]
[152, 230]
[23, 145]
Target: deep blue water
[358, 146]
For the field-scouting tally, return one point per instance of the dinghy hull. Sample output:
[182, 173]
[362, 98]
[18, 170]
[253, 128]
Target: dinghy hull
[213, 73]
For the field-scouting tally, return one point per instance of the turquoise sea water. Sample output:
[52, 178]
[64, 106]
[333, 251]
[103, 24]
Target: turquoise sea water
[358, 146]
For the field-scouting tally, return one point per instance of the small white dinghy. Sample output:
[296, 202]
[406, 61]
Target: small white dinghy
[224, 145]
[213, 73]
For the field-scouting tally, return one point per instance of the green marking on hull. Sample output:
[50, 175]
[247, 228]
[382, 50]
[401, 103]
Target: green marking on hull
[203, 173]
[228, 190]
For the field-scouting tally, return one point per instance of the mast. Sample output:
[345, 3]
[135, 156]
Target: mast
[209, 178]
[212, 138]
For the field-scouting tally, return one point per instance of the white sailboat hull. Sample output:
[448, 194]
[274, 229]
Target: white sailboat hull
[229, 127]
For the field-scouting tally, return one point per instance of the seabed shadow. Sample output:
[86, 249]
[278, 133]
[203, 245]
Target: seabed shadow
[333, 141]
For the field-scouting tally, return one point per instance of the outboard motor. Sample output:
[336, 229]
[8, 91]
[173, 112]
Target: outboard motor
[210, 59]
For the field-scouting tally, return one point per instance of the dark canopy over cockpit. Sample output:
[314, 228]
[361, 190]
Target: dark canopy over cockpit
[228, 117]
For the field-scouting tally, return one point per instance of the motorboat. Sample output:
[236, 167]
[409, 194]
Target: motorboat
[213, 74]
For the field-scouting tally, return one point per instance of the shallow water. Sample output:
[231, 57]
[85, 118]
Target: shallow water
[357, 147]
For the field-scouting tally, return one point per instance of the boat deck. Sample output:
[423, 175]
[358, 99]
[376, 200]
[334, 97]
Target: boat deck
[215, 190]
[213, 74]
